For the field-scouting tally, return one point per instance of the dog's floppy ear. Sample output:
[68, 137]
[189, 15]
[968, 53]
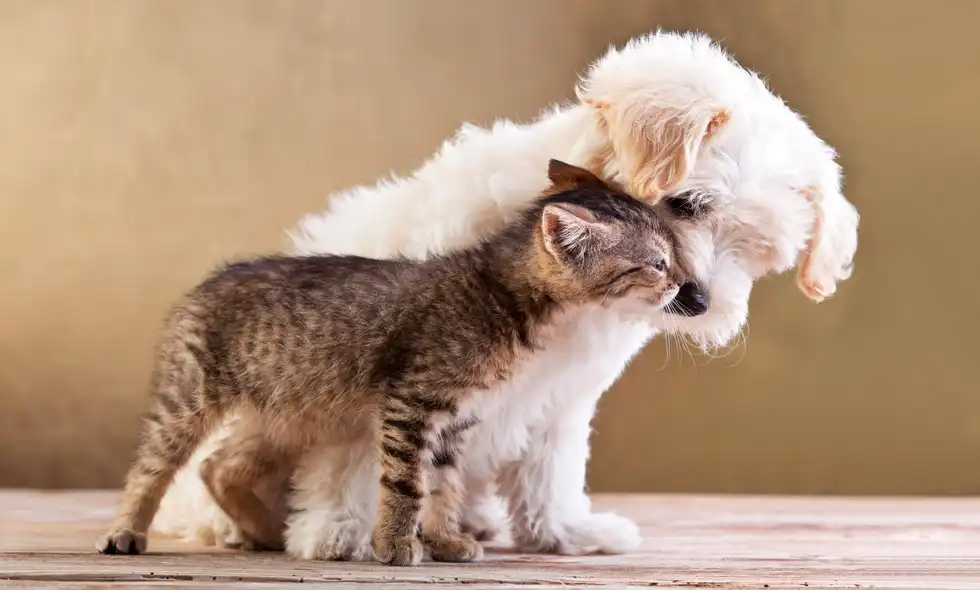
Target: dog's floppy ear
[829, 253]
[655, 143]
[564, 176]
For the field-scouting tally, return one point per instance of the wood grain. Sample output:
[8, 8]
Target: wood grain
[691, 542]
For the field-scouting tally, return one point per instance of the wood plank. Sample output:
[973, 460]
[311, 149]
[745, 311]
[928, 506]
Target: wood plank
[46, 540]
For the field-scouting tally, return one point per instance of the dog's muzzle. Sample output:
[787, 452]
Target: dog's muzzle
[690, 301]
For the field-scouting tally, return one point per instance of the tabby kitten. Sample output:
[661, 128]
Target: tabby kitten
[308, 345]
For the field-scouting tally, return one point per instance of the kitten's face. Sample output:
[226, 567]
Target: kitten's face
[604, 244]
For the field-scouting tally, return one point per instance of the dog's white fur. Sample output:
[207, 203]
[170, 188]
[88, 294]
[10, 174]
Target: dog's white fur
[667, 114]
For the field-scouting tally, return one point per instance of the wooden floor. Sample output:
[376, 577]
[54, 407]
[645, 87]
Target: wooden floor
[46, 541]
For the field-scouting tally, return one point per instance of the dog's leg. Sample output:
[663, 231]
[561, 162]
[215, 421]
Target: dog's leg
[188, 509]
[549, 508]
[232, 474]
[334, 502]
[484, 512]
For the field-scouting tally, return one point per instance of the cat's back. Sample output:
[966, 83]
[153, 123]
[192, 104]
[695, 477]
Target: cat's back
[293, 295]
[296, 278]
[362, 302]
[286, 320]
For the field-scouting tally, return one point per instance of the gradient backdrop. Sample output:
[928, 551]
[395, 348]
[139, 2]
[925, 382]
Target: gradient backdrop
[143, 141]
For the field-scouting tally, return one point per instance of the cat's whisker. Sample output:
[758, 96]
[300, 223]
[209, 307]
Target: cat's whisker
[666, 349]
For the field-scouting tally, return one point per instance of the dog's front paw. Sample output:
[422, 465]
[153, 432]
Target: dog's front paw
[223, 532]
[234, 538]
[486, 520]
[121, 542]
[318, 536]
[399, 551]
[479, 533]
[598, 533]
[255, 546]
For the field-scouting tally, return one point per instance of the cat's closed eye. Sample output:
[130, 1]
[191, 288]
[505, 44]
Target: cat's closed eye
[658, 264]
[630, 271]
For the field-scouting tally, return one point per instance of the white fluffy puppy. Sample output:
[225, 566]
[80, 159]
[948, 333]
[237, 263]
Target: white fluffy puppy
[752, 191]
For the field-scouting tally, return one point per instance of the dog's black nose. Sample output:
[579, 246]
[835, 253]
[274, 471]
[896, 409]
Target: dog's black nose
[691, 300]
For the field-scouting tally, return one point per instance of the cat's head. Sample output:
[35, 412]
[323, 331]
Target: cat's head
[599, 244]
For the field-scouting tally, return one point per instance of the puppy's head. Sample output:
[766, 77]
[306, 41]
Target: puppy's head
[748, 188]
[598, 244]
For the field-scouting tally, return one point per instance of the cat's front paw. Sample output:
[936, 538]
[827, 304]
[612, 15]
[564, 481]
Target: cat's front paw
[455, 548]
[597, 533]
[399, 551]
[121, 542]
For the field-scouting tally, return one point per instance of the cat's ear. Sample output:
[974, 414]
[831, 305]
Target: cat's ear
[564, 176]
[570, 230]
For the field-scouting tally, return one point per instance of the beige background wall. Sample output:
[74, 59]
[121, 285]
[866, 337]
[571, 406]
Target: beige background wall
[143, 141]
